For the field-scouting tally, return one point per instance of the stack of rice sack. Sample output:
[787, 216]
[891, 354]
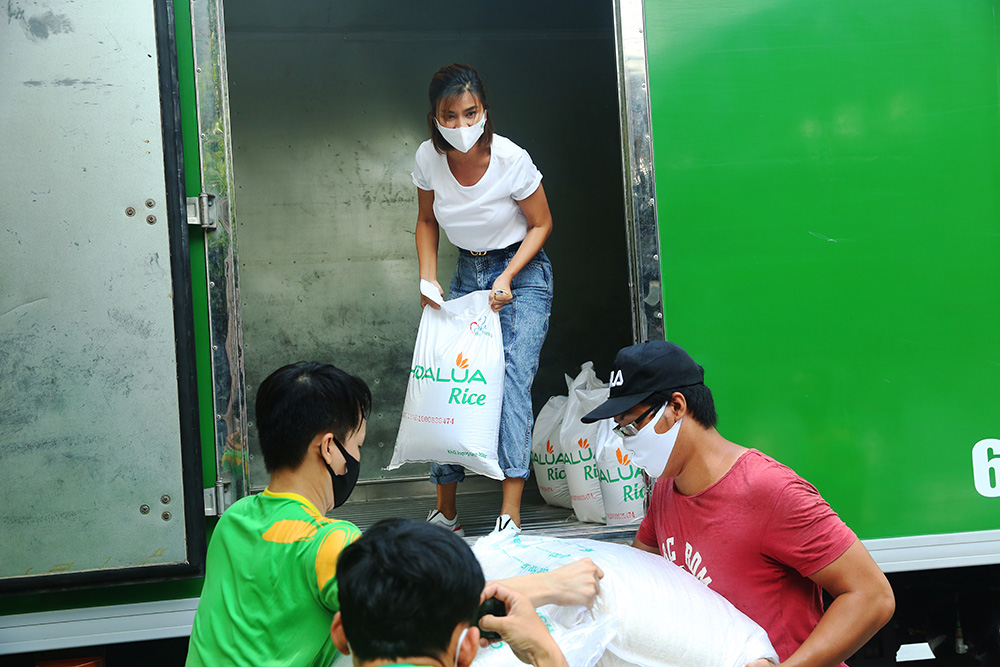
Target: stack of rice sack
[546, 455]
[581, 466]
[663, 616]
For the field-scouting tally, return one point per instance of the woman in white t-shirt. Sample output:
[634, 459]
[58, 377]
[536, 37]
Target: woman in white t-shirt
[486, 194]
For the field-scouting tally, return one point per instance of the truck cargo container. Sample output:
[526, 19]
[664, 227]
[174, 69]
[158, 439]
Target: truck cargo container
[803, 195]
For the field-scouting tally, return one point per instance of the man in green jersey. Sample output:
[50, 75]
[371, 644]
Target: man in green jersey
[409, 593]
[270, 589]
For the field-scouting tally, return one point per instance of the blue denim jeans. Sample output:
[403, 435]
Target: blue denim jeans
[524, 322]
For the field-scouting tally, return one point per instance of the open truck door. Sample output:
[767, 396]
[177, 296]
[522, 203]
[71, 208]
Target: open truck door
[98, 413]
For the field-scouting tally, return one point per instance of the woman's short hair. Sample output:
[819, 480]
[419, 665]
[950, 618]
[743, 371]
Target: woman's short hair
[447, 84]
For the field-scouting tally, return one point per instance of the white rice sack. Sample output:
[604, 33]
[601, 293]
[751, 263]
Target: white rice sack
[451, 413]
[580, 443]
[623, 489]
[582, 637]
[666, 617]
[547, 456]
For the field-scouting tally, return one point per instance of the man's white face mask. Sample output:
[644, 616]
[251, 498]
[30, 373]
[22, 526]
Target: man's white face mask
[463, 138]
[649, 449]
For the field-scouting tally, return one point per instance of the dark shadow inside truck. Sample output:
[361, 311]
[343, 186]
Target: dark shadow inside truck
[328, 105]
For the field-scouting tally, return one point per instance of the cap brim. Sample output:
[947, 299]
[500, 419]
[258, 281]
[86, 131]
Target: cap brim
[614, 407]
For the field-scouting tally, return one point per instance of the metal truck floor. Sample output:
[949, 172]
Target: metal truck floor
[478, 507]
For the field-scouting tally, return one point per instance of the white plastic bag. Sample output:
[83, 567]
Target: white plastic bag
[582, 637]
[451, 413]
[623, 489]
[547, 456]
[666, 617]
[586, 378]
[580, 444]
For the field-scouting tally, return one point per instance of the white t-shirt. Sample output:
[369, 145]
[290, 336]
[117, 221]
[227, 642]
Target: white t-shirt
[484, 216]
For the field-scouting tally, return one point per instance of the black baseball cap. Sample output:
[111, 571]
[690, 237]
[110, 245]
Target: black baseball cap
[640, 371]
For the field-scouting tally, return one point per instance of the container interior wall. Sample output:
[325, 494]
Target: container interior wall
[329, 104]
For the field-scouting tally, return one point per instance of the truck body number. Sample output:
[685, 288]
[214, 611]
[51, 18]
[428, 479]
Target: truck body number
[986, 467]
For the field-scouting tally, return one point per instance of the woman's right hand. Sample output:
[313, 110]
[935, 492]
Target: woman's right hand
[424, 301]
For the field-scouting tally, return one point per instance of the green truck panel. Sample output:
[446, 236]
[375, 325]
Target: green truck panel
[826, 180]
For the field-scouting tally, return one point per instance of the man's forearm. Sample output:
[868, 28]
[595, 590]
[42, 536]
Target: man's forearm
[852, 619]
[575, 583]
[536, 587]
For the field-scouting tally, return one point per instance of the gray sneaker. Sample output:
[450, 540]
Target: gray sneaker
[435, 516]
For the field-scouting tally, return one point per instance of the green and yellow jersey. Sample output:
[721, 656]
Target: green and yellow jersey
[270, 587]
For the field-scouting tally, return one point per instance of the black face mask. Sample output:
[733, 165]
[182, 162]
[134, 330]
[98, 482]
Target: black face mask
[344, 484]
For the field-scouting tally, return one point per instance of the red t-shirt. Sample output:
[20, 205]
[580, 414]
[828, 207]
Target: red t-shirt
[755, 537]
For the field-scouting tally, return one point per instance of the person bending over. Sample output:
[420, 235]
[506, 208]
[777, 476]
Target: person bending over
[409, 592]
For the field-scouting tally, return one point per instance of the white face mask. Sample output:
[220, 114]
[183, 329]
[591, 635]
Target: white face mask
[649, 449]
[463, 138]
[458, 647]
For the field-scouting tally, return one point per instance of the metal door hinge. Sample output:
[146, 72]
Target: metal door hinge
[218, 498]
[202, 211]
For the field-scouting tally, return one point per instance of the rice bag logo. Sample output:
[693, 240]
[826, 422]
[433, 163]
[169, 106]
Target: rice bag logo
[551, 462]
[478, 327]
[627, 475]
[582, 454]
[461, 374]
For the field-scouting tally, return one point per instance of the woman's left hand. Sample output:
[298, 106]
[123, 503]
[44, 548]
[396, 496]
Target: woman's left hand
[500, 294]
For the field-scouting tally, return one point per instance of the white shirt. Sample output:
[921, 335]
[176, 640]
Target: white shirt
[484, 216]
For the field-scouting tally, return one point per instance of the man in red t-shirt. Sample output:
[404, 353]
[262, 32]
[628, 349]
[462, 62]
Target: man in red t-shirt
[745, 525]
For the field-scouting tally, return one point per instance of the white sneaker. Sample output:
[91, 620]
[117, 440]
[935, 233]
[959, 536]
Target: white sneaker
[506, 524]
[435, 516]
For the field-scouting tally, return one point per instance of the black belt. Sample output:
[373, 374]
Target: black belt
[484, 253]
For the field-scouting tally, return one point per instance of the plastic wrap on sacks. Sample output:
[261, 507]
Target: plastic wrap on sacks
[666, 617]
[581, 634]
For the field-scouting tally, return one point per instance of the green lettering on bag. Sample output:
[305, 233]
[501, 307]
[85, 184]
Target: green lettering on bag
[464, 397]
[435, 375]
